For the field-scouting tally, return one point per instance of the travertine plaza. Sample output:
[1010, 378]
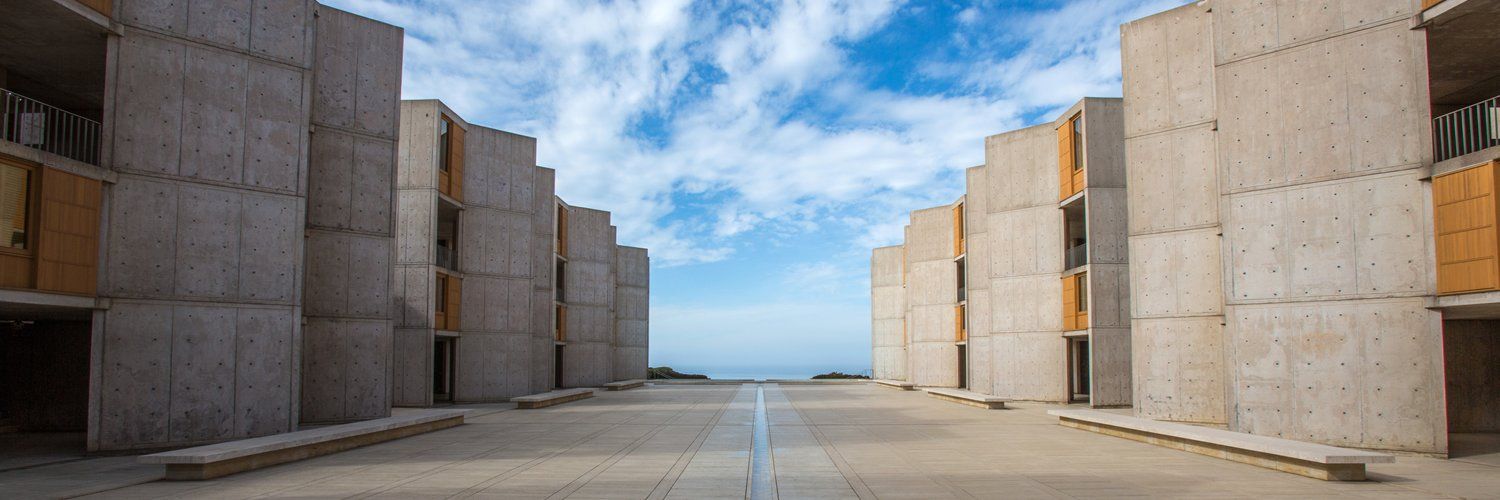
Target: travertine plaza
[235, 263]
[222, 222]
[1284, 229]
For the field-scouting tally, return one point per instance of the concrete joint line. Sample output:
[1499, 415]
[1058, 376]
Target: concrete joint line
[1173, 128]
[1326, 36]
[856, 483]
[665, 485]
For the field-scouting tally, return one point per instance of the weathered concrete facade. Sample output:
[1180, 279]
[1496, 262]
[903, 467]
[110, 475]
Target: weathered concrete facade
[1279, 222]
[931, 298]
[589, 292]
[236, 274]
[632, 313]
[888, 313]
[477, 240]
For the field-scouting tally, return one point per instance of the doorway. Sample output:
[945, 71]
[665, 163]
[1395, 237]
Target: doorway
[1470, 348]
[1078, 359]
[557, 367]
[44, 389]
[963, 366]
[442, 369]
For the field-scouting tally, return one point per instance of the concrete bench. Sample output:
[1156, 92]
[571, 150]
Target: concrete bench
[1329, 463]
[553, 398]
[968, 398]
[222, 459]
[897, 384]
[623, 385]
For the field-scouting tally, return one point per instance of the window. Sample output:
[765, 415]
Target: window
[1077, 143]
[962, 285]
[448, 226]
[559, 279]
[442, 293]
[15, 207]
[1083, 293]
[444, 164]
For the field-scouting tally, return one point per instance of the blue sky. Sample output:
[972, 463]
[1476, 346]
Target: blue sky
[759, 149]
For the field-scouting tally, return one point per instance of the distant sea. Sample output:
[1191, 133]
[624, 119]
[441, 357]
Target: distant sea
[779, 372]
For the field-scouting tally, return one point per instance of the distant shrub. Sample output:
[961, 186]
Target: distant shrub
[667, 373]
[839, 375]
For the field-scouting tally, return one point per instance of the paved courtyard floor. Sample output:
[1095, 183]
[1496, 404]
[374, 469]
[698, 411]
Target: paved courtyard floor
[794, 441]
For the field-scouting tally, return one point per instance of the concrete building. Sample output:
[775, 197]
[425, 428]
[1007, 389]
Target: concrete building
[1019, 289]
[197, 217]
[1311, 218]
[1046, 228]
[503, 290]
[888, 313]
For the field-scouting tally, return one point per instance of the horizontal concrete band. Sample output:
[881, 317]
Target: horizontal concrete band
[1311, 452]
[622, 385]
[897, 384]
[552, 398]
[967, 397]
[246, 447]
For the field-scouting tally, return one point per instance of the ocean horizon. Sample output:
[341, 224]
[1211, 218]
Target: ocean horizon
[766, 373]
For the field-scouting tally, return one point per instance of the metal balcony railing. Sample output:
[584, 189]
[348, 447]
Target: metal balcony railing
[37, 125]
[1076, 256]
[1467, 130]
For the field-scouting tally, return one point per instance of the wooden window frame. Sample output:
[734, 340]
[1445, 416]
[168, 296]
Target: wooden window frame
[33, 208]
[959, 242]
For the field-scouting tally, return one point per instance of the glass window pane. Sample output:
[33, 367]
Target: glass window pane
[15, 204]
[443, 144]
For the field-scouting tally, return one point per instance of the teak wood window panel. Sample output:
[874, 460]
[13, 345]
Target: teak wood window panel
[1071, 170]
[959, 244]
[101, 6]
[560, 323]
[960, 322]
[1075, 302]
[562, 230]
[1465, 213]
[51, 221]
[447, 309]
[450, 158]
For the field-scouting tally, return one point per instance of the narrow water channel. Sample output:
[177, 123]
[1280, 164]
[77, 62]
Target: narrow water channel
[762, 468]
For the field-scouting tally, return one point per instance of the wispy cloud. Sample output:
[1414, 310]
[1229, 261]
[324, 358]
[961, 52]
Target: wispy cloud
[778, 111]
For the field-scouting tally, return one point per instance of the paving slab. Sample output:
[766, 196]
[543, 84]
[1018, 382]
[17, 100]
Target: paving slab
[824, 441]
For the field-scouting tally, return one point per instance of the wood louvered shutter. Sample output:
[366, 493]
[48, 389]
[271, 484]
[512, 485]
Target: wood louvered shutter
[1069, 304]
[958, 230]
[1465, 213]
[68, 246]
[1065, 160]
[455, 161]
[455, 299]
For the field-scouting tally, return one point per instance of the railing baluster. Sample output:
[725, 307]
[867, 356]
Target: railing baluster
[43, 127]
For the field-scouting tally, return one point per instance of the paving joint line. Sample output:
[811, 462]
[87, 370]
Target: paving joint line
[680, 466]
[856, 482]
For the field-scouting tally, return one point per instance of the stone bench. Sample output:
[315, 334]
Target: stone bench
[1329, 463]
[966, 397]
[897, 384]
[552, 398]
[623, 385]
[222, 459]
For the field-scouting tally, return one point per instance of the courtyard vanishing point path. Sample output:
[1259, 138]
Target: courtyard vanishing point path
[790, 441]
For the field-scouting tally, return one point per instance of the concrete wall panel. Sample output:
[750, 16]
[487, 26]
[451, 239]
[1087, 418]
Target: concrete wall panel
[149, 103]
[1250, 27]
[1179, 369]
[263, 371]
[1030, 366]
[208, 242]
[1296, 117]
[1021, 169]
[142, 241]
[1106, 225]
[1173, 180]
[1319, 240]
[1110, 373]
[1026, 304]
[1366, 375]
[268, 243]
[213, 115]
[1026, 241]
[280, 29]
[136, 371]
[412, 374]
[203, 347]
[1176, 274]
[1168, 70]
[586, 364]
